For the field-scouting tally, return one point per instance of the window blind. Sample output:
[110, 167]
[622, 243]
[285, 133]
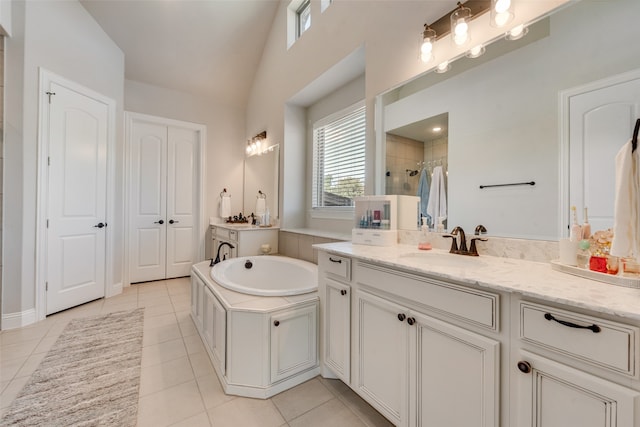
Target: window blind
[338, 159]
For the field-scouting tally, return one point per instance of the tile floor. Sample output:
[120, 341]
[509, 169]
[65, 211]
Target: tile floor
[178, 386]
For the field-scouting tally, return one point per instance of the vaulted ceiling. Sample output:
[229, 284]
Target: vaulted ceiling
[205, 47]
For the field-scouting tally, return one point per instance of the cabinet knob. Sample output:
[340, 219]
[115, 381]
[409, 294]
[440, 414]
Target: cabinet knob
[343, 292]
[411, 320]
[276, 323]
[401, 317]
[524, 366]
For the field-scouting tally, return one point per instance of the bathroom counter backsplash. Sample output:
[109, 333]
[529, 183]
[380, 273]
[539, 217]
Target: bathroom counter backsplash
[524, 249]
[530, 278]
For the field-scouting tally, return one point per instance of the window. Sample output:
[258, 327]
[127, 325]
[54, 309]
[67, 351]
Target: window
[338, 158]
[303, 17]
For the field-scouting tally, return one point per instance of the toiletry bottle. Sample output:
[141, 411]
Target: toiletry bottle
[586, 227]
[584, 254]
[267, 218]
[575, 234]
[440, 226]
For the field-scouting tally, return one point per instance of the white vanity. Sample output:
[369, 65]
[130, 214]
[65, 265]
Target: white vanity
[246, 239]
[434, 339]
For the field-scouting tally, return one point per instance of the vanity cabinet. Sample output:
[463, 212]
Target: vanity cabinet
[246, 240]
[335, 297]
[419, 371]
[574, 369]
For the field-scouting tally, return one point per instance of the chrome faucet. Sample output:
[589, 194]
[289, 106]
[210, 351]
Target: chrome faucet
[217, 260]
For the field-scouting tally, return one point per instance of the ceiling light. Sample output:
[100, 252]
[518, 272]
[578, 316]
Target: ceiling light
[460, 25]
[443, 67]
[437, 129]
[501, 12]
[476, 51]
[428, 39]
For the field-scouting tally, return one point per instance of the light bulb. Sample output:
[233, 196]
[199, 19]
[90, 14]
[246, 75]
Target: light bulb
[427, 46]
[443, 67]
[502, 6]
[426, 57]
[517, 32]
[248, 149]
[461, 27]
[501, 19]
[476, 51]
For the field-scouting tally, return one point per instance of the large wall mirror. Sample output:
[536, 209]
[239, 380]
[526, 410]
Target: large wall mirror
[262, 174]
[505, 121]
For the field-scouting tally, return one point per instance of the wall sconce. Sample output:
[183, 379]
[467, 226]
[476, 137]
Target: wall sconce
[428, 39]
[254, 144]
[460, 25]
[501, 12]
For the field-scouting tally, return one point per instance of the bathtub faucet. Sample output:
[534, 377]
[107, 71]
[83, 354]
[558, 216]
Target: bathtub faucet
[220, 247]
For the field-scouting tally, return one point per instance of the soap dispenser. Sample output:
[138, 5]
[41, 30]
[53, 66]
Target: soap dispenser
[424, 237]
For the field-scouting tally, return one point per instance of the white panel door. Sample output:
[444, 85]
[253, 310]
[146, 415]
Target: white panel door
[147, 202]
[182, 194]
[601, 121]
[78, 132]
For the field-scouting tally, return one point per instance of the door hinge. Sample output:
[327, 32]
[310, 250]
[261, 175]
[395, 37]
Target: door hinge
[50, 93]
[47, 223]
[48, 161]
[46, 286]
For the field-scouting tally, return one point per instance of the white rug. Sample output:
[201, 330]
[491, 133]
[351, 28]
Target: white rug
[90, 377]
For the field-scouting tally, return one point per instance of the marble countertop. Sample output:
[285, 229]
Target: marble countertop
[528, 278]
[242, 226]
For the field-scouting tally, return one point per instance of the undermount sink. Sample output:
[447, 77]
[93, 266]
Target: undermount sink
[445, 259]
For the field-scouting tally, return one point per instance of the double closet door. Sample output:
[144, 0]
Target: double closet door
[163, 197]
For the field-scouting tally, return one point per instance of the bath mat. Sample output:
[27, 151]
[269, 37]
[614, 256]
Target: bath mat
[90, 377]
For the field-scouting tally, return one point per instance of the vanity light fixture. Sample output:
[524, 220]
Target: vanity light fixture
[517, 32]
[254, 144]
[460, 25]
[443, 67]
[426, 48]
[501, 12]
[476, 51]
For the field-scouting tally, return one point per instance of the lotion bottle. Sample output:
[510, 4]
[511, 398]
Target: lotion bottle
[575, 234]
[586, 227]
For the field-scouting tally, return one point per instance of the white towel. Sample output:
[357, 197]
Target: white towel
[261, 205]
[437, 206]
[626, 217]
[225, 206]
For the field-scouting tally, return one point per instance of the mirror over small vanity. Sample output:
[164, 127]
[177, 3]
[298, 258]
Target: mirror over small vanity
[509, 122]
[261, 180]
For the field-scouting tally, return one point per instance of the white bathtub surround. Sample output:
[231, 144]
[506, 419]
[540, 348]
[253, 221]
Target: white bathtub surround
[259, 346]
[259, 275]
[504, 247]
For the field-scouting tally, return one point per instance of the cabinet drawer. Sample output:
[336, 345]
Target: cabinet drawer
[223, 233]
[594, 340]
[467, 304]
[335, 265]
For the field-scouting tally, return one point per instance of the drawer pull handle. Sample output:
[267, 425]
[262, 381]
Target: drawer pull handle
[339, 261]
[594, 328]
[401, 317]
[343, 292]
[524, 367]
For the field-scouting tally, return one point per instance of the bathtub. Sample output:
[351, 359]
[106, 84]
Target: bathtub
[266, 275]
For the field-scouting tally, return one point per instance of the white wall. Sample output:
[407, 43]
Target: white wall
[63, 38]
[225, 143]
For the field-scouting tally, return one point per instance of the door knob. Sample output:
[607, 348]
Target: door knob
[159, 222]
[173, 222]
[401, 317]
[411, 320]
[276, 323]
[343, 292]
[100, 225]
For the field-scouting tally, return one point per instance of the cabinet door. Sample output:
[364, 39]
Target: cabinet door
[219, 341]
[555, 395]
[337, 328]
[207, 316]
[293, 342]
[383, 356]
[456, 375]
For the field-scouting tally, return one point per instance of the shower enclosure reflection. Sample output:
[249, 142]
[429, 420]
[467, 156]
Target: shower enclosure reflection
[412, 149]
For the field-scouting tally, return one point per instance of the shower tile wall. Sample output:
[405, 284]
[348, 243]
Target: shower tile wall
[407, 154]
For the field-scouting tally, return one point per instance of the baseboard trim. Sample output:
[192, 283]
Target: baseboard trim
[113, 290]
[18, 320]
